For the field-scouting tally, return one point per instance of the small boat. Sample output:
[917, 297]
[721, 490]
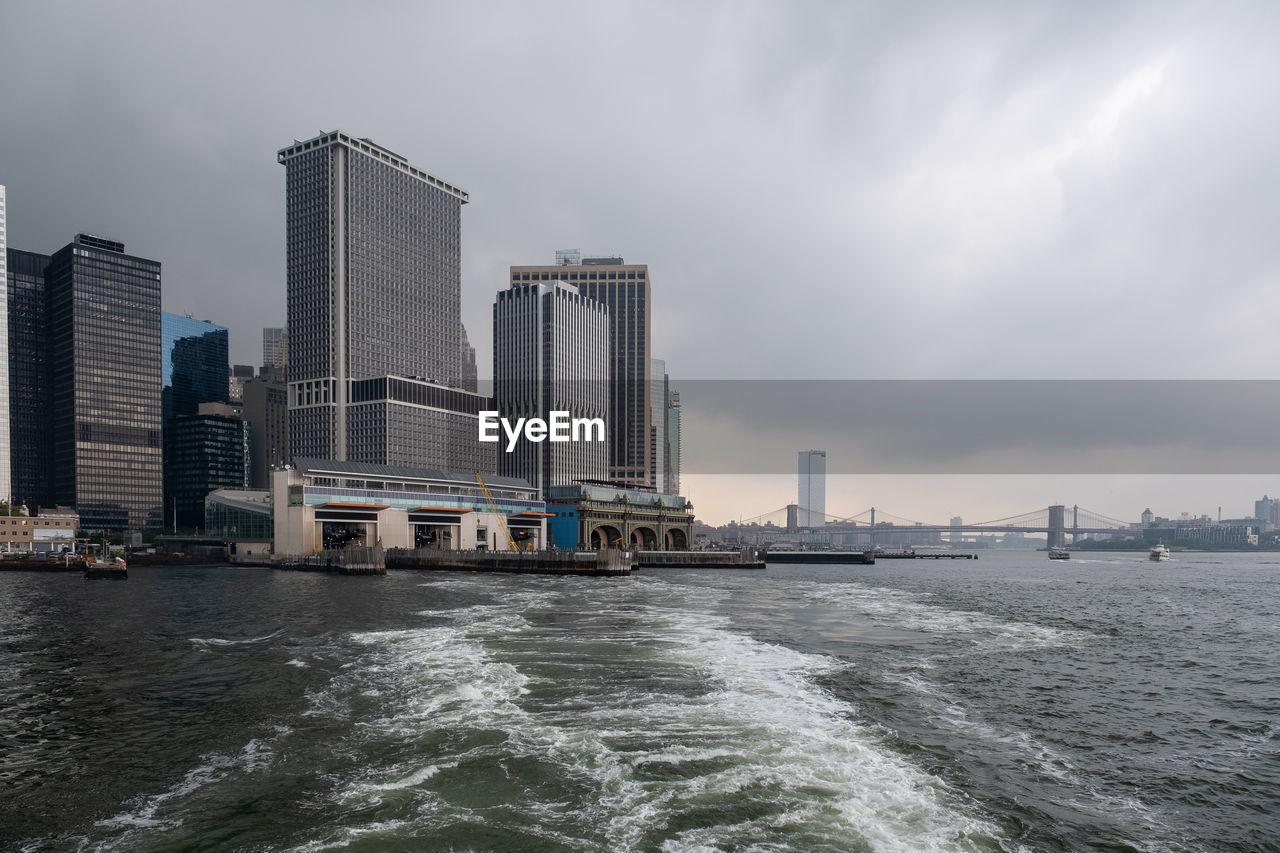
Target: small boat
[1057, 552]
[114, 569]
[1159, 553]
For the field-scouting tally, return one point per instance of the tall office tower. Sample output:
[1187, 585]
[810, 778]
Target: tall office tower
[204, 451]
[30, 448]
[266, 408]
[813, 488]
[374, 271]
[624, 288]
[673, 441]
[104, 377]
[658, 424]
[193, 368]
[275, 349]
[6, 483]
[193, 364]
[551, 353]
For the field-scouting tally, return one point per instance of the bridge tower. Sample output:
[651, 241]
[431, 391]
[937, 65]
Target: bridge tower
[1057, 526]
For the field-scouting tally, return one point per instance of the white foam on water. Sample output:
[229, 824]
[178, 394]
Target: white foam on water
[905, 610]
[759, 731]
[218, 642]
[163, 811]
[300, 664]
[363, 832]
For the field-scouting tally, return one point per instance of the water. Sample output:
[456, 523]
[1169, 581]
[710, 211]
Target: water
[1005, 704]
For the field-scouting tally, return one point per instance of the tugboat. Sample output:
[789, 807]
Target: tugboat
[1057, 552]
[1159, 553]
[114, 569]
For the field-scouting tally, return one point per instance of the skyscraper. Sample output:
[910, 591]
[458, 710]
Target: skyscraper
[193, 363]
[374, 266]
[551, 353]
[104, 376]
[275, 349]
[193, 367]
[6, 483]
[266, 409]
[625, 289]
[30, 445]
[204, 451]
[658, 424]
[813, 488]
[673, 441]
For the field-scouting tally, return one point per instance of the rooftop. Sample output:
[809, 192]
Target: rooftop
[374, 150]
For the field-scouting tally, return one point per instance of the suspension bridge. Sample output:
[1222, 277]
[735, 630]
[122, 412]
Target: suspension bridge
[1057, 522]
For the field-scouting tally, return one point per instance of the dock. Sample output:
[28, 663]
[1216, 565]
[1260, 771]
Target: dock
[747, 558]
[609, 562]
[925, 555]
[847, 558]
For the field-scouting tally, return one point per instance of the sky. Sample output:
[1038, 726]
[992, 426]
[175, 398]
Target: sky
[827, 191]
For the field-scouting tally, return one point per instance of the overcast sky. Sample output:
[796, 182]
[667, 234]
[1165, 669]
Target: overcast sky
[979, 190]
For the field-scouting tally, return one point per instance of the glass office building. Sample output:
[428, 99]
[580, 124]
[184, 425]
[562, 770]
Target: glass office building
[193, 364]
[30, 445]
[203, 452]
[105, 383]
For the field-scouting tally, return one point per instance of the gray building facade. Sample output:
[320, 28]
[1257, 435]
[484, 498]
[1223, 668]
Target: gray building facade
[625, 289]
[266, 410]
[374, 269]
[551, 353]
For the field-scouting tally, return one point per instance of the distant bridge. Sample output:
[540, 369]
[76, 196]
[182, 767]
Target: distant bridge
[1057, 522]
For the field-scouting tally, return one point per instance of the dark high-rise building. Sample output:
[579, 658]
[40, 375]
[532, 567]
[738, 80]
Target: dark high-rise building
[551, 353]
[624, 288]
[204, 452]
[193, 364]
[374, 267]
[104, 379]
[31, 449]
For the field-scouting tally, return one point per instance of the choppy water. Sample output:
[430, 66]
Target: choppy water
[1005, 704]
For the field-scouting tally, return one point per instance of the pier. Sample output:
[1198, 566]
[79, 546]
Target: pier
[608, 562]
[847, 558]
[746, 558]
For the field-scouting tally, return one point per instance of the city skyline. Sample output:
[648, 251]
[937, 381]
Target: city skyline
[1028, 176]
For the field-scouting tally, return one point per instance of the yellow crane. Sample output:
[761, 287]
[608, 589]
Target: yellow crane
[493, 508]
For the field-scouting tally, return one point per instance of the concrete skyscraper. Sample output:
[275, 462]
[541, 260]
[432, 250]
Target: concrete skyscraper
[105, 384]
[551, 353]
[813, 488]
[275, 349]
[376, 348]
[625, 289]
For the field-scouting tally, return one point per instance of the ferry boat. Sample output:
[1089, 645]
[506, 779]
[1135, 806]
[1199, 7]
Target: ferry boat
[112, 569]
[1057, 552]
[1158, 553]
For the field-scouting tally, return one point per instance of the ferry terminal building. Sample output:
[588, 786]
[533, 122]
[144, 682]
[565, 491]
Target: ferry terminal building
[321, 504]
